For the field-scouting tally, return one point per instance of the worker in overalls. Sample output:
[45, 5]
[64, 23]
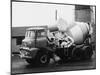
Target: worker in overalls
[67, 43]
[67, 40]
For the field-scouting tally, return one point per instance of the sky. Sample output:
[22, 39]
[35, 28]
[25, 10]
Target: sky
[37, 14]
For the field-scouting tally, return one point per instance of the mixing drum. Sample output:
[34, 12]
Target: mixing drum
[78, 32]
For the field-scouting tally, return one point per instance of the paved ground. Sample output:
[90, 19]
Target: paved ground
[21, 66]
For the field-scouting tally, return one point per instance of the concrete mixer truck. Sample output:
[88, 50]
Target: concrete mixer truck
[42, 43]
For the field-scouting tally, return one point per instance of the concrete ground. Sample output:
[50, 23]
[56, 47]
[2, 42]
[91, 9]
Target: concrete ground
[21, 66]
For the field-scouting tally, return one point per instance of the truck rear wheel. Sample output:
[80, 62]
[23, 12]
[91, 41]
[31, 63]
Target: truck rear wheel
[83, 53]
[77, 53]
[88, 52]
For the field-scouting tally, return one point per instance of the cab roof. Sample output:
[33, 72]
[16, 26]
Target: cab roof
[36, 28]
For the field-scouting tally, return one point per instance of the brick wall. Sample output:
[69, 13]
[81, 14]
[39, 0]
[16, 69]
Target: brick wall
[86, 15]
[83, 15]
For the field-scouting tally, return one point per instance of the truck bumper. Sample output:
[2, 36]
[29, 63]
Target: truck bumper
[28, 53]
[25, 57]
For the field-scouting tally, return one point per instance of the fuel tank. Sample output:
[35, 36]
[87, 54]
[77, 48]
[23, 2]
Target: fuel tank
[78, 31]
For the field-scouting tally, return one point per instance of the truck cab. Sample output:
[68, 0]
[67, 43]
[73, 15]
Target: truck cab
[35, 37]
[33, 44]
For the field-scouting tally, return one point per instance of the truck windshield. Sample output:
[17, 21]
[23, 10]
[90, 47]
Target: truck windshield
[41, 34]
[30, 34]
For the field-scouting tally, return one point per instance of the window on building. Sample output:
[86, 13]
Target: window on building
[19, 40]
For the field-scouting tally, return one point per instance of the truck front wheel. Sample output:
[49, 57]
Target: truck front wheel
[31, 61]
[42, 58]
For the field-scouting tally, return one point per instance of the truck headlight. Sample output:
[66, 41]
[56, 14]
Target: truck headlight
[23, 52]
[24, 44]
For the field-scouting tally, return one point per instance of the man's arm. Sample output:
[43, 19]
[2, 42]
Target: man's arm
[71, 41]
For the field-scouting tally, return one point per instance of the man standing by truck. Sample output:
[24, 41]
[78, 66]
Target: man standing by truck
[67, 41]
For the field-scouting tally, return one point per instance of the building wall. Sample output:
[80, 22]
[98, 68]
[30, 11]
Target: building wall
[15, 47]
[83, 15]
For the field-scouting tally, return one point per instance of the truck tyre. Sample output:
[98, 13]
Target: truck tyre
[88, 52]
[76, 53]
[42, 58]
[31, 61]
